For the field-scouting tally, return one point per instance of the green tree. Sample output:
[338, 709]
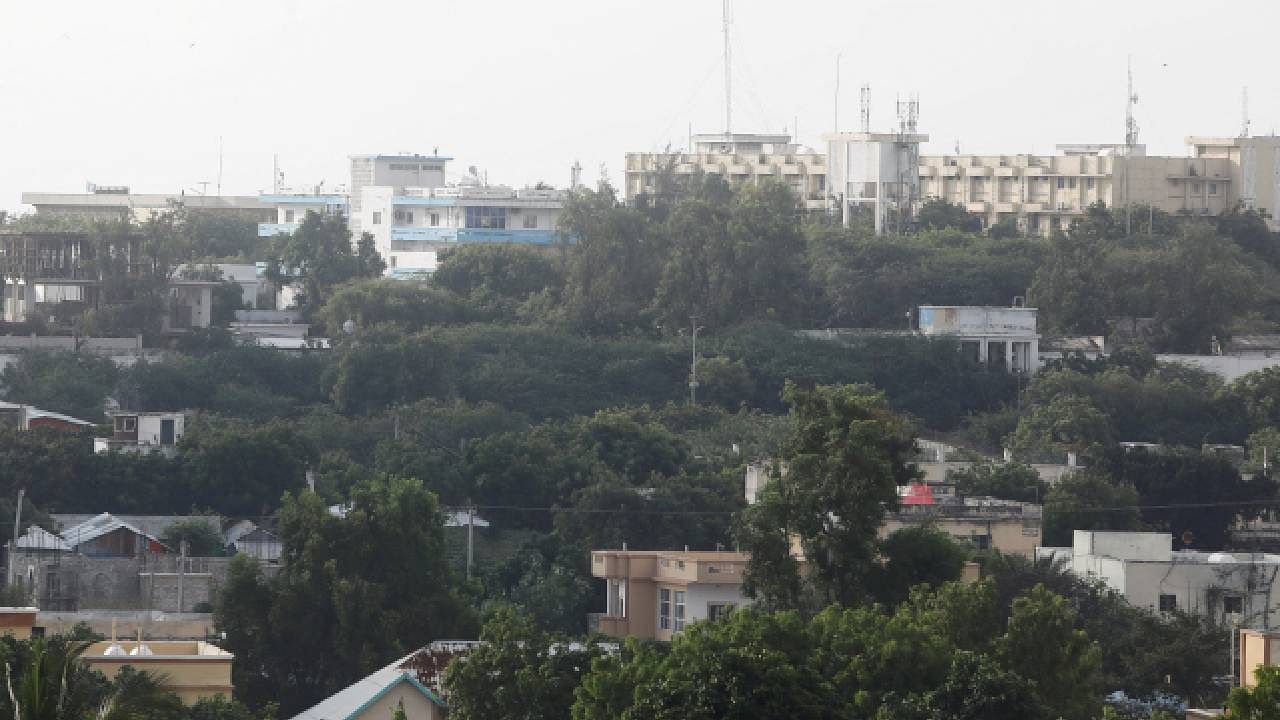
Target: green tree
[319, 255]
[202, 538]
[381, 367]
[1007, 481]
[497, 280]
[938, 214]
[312, 629]
[517, 672]
[844, 462]
[76, 384]
[405, 305]
[612, 269]
[1066, 424]
[242, 469]
[1071, 284]
[1044, 646]
[735, 255]
[1260, 702]
[1088, 500]
[913, 556]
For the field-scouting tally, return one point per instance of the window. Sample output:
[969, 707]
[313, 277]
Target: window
[1088, 183]
[1232, 604]
[1071, 183]
[664, 609]
[530, 221]
[1213, 188]
[486, 217]
[1062, 182]
[1195, 187]
[377, 218]
[288, 216]
[404, 216]
[718, 610]
[1168, 603]
[435, 219]
[679, 619]
[128, 423]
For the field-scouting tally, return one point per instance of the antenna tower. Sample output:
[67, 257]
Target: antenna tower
[219, 166]
[864, 99]
[836, 128]
[728, 72]
[1244, 112]
[1130, 125]
[275, 173]
[1130, 141]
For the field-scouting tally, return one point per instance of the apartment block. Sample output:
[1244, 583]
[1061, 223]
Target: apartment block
[1043, 193]
[740, 158]
[654, 594]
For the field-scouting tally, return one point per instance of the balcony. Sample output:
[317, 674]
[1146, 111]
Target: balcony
[424, 234]
[273, 229]
[508, 235]
[978, 206]
[606, 624]
[977, 171]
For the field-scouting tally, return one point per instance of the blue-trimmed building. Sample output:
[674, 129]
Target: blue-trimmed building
[411, 225]
[292, 206]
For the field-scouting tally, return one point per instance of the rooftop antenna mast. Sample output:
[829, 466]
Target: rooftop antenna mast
[836, 127]
[1130, 141]
[1244, 112]
[728, 72]
[275, 173]
[219, 166]
[864, 99]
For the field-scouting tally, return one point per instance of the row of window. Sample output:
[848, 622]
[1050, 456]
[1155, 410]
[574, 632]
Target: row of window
[671, 609]
[477, 217]
[1231, 604]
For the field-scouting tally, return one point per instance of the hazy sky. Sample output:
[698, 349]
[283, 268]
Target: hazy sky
[137, 92]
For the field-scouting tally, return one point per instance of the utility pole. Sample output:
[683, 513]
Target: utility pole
[693, 365]
[471, 524]
[1130, 143]
[182, 572]
[17, 529]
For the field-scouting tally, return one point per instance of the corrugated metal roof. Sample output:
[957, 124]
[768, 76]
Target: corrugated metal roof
[352, 699]
[97, 527]
[37, 538]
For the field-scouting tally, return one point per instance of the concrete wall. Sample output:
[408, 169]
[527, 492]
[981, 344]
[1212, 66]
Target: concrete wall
[70, 582]
[1228, 367]
[152, 624]
[1124, 545]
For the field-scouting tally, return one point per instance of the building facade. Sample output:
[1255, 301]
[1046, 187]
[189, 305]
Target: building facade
[1001, 336]
[1143, 567]
[656, 594]
[393, 171]
[1041, 193]
[143, 432]
[739, 157]
[192, 670]
[116, 202]
[410, 225]
[877, 173]
[290, 206]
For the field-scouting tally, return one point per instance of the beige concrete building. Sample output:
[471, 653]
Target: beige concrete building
[193, 670]
[1042, 193]
[739, 157]
[113, 203]
[654, 594]
[984, 523]
[1258, 648]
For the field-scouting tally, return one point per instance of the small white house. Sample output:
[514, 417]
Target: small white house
[143, 432]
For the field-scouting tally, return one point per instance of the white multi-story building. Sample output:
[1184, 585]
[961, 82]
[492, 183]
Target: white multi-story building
[1145, 569]
[411, 224]
[394, 171]
[292, 205]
